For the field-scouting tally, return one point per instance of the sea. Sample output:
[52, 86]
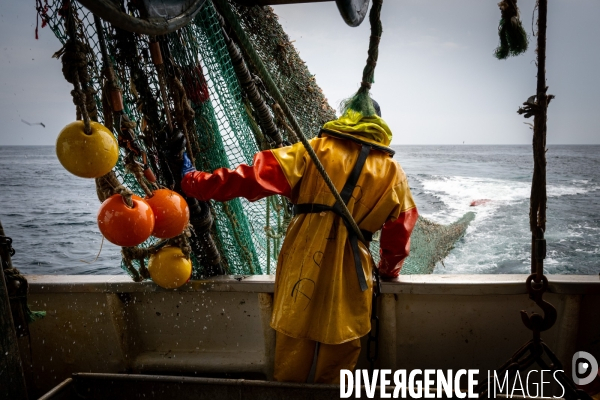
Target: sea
[51, 215]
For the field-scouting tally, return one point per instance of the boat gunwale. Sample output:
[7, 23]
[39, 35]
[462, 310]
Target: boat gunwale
[505, 284]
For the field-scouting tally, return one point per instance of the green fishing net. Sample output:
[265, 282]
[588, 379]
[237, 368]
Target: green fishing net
[224, 132]
[248, 235]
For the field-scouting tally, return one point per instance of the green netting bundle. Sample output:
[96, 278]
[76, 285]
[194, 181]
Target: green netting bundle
[513, 38]
[432, 242]
[217, 118]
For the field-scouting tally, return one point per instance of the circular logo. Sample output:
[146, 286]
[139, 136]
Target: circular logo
[584, 367]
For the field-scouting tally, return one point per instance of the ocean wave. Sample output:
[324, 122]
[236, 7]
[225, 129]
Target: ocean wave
[459, 192]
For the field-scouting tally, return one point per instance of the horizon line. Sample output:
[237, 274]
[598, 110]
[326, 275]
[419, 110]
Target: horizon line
[392, 144]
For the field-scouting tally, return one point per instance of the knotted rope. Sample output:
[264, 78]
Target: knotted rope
[157, 60]
[140, 254]
[184, 113]
[138, 171]
[108, 185]
[75, 70]
[112, 100]
[361, 101]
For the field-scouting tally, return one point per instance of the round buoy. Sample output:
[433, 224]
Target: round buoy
[87, 156]
[125, 226]
[169, 268]
[171, 213]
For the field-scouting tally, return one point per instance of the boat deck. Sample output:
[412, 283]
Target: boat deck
[219, 328]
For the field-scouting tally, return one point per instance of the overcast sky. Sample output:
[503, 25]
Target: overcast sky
[436, 81]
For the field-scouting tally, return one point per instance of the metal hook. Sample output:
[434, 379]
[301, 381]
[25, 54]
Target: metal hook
[535, 321]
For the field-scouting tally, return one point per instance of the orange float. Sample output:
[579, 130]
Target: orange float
[123, 225]
[171, 213]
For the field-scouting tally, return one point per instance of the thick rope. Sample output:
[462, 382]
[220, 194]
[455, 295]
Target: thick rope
[138, 171]
[184, 113]
[281, 120]
[247, 82]
[160, 71]
[112, 100]
[227, 13]
[361, 101]
[140, 254]
[108, 185]
[201, 219]
[75, 70]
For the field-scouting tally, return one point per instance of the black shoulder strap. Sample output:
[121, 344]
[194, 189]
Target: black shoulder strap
[352, 180]
[346, 194]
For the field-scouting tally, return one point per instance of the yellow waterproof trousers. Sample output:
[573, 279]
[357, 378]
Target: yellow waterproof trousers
[294, 358]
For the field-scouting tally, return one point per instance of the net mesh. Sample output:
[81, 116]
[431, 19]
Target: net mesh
[223, 131]
[248, 235]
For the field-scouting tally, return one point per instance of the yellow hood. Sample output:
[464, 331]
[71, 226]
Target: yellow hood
[371, 128]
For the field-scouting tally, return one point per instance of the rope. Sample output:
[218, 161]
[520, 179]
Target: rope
[138, 171]
[247, 82]
[243, 39]
[201, 217]
[361, 101]
[160, 71]
[75, 70]
[183, 112]
[140, 254]
[109, 185]
[112, 100]
[374, 39]
[281, 120]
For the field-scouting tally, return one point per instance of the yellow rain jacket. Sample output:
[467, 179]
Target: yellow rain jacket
[317, 293]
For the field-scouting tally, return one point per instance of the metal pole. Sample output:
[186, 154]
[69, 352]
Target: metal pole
[12, 379]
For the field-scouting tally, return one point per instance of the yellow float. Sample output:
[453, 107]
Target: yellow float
[87, 156]
[169, 268]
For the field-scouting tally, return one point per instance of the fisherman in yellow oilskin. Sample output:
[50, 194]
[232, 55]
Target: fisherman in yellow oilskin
[323, 285]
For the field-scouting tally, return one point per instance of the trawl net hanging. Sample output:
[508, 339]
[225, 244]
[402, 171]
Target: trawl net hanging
[184, 87]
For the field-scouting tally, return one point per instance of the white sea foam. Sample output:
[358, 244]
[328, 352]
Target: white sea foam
[457, 193]
[500, 229]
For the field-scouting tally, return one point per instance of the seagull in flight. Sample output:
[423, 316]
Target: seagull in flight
[33, 123]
